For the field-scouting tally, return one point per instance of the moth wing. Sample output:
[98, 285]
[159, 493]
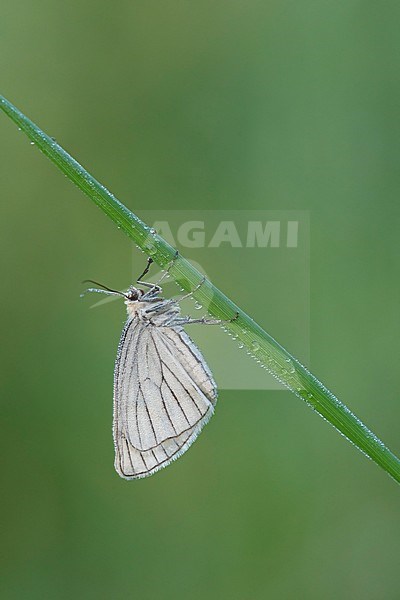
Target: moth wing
[193, 360]
[164, 394]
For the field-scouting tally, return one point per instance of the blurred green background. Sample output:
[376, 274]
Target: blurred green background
[174, 105]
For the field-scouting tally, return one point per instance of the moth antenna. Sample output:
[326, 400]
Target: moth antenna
[104, 287]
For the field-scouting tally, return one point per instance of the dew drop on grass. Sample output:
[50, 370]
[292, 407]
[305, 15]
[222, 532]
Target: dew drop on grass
[255, 346]
[151, 249]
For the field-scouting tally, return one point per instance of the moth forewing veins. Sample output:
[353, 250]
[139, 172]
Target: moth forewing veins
[194, 360]
[164, 392]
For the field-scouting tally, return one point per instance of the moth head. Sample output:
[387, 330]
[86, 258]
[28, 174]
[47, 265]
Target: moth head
[134, 294]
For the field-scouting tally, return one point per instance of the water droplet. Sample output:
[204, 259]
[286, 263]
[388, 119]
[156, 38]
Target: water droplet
[152, 231]
[198, 306]
[150, 248]
[32, 143]
[241, 345]
[255, 346]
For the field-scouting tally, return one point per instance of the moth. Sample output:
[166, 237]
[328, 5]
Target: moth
[164, 391]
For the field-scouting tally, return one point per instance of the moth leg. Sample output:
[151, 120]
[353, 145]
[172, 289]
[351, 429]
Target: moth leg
[149, 263]
[198, 286]
[156, 286]
[151, 286]
[205, 320]
[169, 267]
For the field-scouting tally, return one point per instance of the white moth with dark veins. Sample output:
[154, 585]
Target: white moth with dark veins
[164, 392]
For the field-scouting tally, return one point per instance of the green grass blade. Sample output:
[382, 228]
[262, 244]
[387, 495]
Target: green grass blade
[260, 344]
